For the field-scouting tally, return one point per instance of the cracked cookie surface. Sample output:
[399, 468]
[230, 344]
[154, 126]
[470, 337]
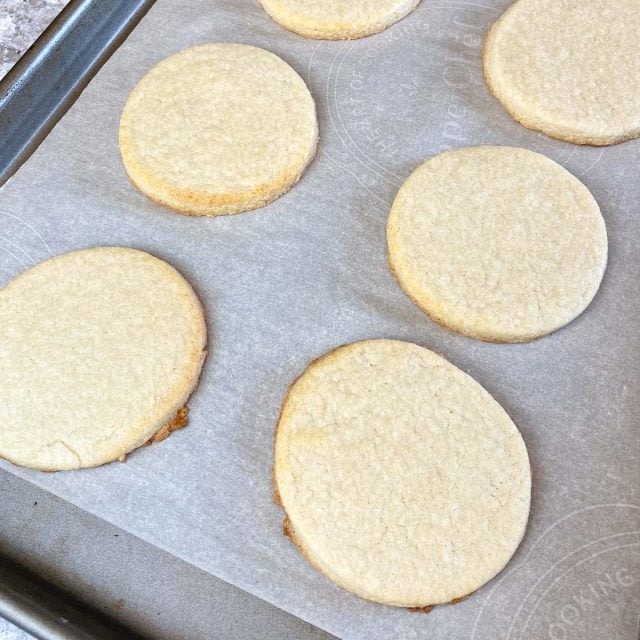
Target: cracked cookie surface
[569, 68]
[100, 350]
[402, 479]
[497, 243]
[337, 19]
[218, 129]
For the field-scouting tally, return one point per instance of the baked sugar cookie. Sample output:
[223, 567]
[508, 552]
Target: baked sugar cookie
[569, 68]
[100, 350]
[497, 243]
[337, 19]
[218, 129]
[402, 479]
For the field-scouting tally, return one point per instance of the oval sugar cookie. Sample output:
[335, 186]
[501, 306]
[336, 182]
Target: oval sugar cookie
[218, 129]
[569, 68]
[497, 243]
[402, 479]
[337, 19]
[100, 350]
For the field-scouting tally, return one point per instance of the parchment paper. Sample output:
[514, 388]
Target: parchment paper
[286, 283]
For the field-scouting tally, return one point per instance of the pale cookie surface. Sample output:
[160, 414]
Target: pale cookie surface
[218, 129]
[337, 19]
[403, 480]
[497, 243]
[100, 350]
[569, 68]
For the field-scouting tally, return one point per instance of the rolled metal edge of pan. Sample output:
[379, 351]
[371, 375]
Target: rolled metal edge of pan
[53, 72]
[48, 613]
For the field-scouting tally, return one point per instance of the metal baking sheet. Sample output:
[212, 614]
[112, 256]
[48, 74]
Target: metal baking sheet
[286, 283]
[42, 85]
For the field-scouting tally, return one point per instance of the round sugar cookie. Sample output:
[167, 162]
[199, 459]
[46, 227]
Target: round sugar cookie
[569, 68]
[218, 129]
[497, 243]
[402, 479]
[337, 19]
[100, 350]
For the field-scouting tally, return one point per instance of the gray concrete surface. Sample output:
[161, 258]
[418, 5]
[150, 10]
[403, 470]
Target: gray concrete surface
[21, 22]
